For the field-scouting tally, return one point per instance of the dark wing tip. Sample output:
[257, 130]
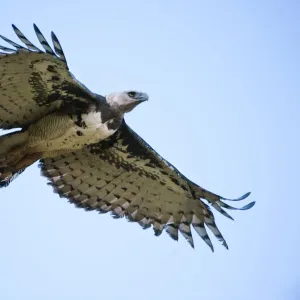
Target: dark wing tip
[244, 196]
[237, 199]
[35, 27]
[17, 46]
[248, 206]
[43, 41]
[57, 47]
[23, 39]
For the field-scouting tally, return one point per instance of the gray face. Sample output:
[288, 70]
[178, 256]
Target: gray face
[126, 101]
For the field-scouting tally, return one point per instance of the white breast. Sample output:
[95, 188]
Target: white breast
[94, 130]
[75, 137]
[92, 119]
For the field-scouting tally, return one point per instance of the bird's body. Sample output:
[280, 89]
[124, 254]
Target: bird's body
[87, 151]
[64, 132]
[57, 113]
[60, 132]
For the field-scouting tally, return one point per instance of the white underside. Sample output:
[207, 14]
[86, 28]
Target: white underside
[93, 132]
[71, 140]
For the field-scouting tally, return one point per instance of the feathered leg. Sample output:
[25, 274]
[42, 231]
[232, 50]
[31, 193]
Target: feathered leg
[13, 147]
[13, 155]
[7, 174]
[18, 150]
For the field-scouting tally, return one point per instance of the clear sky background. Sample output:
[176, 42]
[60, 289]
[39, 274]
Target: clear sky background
[224, 82]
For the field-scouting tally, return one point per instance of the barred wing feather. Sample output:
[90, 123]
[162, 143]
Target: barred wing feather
[33, 82]
[125, 176]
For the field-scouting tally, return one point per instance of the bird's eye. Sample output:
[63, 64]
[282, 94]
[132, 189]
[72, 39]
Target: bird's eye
[131, 94]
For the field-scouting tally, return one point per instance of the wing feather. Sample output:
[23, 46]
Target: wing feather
[7, 49]
[125, 176]
[22, 37]
[58, 48]
[17, 46]
[34, 83]
[43, 41]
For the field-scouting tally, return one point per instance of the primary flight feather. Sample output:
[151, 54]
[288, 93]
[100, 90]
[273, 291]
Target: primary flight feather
[87, 151]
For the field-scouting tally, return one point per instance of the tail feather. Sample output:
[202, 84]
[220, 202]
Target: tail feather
[5, 183]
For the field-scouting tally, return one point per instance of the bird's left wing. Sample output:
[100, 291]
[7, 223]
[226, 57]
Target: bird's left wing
[125, 176]
[34, 83]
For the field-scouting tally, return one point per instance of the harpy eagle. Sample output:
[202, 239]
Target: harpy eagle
[87, 151]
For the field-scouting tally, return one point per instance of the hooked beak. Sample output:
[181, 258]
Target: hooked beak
[141, 97]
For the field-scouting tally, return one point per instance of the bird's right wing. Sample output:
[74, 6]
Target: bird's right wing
[125, 176]
[33, 82]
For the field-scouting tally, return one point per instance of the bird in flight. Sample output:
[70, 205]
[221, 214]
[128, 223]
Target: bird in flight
[87, 151]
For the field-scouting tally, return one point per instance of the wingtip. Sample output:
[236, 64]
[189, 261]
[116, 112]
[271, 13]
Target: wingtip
[244, 196]
[226, 246]
[230, 217]
[249, 205]
[191, 243]
[36, 29]
[211, 246]
[237, 199]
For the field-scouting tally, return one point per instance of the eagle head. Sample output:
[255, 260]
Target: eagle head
[126, 101]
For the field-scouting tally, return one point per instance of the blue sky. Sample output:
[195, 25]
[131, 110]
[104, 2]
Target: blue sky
[223, 77]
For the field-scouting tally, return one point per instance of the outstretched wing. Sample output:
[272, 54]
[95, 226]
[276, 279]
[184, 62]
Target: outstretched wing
[125, 176]
[34, 82]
